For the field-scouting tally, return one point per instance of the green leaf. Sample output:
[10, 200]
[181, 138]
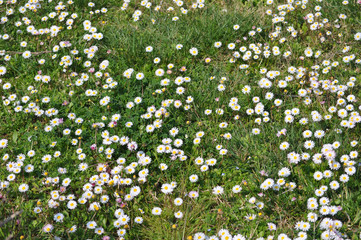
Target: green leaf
[304, 28]
[15, 136]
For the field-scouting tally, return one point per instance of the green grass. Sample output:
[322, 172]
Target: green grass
[248, 155]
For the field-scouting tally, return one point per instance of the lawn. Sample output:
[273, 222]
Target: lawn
[170, 119]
